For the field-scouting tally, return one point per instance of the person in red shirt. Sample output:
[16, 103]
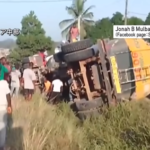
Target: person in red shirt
[43, 57]
[74, 33]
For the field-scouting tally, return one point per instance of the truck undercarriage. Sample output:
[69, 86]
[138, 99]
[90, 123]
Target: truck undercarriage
[107, 72]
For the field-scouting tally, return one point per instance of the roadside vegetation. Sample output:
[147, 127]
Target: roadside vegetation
[38, 126]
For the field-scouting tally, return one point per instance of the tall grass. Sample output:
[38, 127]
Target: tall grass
[38, 126]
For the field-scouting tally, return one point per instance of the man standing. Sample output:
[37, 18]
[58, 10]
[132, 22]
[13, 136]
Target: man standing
[3, 69]
[29, 79]
[5, 63]
[70, 81]
[5, 106]
[74, 33]
[15, 82]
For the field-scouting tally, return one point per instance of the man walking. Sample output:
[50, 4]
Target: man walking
[29, 79]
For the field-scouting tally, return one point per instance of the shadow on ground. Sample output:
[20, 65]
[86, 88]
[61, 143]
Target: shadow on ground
[14, 139]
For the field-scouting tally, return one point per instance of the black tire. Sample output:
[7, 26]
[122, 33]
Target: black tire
[58, 57]
[77, 46]
[79, 55]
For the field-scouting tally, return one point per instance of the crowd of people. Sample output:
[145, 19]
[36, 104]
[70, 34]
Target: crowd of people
[12, 80]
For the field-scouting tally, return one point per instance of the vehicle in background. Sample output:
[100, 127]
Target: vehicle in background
[38, 63]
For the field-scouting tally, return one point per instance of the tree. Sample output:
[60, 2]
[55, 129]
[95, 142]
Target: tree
[32, 37]
[31, 40]
[135, 21]
[80, 17]
[117, 19]
[102, 29]
[147, 21]
[15, 55]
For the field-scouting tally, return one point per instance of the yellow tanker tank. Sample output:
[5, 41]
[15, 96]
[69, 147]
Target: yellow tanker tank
[130, 59]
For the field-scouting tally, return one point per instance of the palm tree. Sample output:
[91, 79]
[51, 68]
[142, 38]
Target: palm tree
[80, 16]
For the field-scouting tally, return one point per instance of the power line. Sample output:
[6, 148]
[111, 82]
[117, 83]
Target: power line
[136, 13]
[39, 1]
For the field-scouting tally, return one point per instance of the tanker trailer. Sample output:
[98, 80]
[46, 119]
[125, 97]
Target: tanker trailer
[130, 68]
[110, 71]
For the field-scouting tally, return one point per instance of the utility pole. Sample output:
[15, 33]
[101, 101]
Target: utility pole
[126, 12]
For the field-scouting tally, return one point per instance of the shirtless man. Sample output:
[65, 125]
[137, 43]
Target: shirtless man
[74, 33]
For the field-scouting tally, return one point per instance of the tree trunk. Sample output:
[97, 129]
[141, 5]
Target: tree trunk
[79, 25]
[82, 32]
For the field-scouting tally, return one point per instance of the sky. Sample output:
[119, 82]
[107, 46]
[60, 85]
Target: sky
[51, 13]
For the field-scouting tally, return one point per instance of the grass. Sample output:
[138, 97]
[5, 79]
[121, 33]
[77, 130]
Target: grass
[38, 126]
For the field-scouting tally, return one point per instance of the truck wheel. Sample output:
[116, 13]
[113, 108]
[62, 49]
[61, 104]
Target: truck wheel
[58, 57]
[80, 45]
[79, 55]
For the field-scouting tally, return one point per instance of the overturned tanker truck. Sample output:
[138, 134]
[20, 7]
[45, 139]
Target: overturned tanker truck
[107, 73]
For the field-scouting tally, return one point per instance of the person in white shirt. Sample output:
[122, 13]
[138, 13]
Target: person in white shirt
[29, 79]
[15, 81]
[56, 90]
[5, 108]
